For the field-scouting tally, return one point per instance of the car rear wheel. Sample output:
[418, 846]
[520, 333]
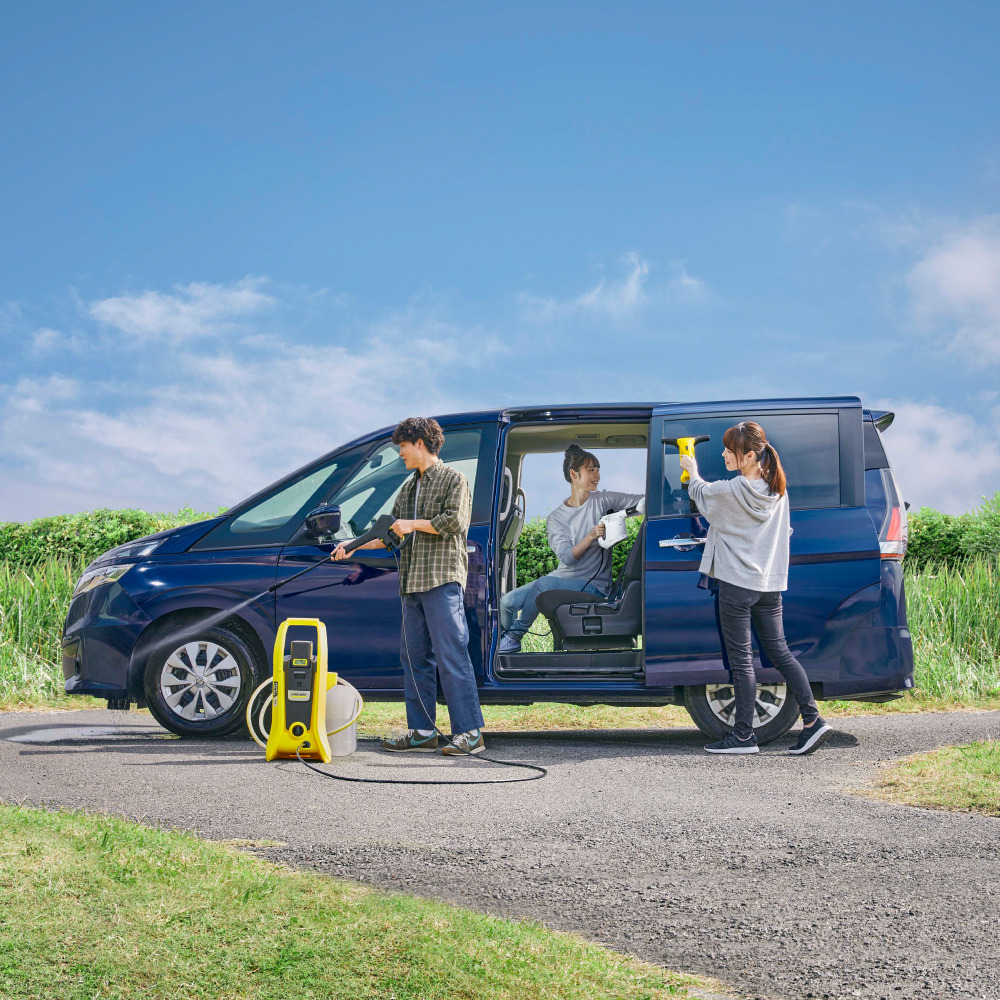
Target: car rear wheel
[198, 683]
[712, 706]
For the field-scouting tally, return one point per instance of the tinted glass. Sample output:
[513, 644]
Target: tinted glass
[874, 452]
[372, 490]
[808, 445]
[272, 521]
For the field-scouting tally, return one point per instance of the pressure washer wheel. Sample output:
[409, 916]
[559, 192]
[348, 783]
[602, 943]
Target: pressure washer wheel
[198, 683]
[712, 707]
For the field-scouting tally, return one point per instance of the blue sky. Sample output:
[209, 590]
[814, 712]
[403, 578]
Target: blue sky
[236, 235]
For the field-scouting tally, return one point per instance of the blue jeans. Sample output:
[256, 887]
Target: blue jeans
[435, 636]
[523, 600]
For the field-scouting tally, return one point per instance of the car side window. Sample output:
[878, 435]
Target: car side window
[372, 490]
[272, 521]
[808, 445]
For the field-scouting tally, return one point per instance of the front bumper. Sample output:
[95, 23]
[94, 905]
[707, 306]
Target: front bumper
[101, 629]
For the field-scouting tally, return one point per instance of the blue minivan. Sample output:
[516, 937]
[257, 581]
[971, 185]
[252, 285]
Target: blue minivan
[148, 623]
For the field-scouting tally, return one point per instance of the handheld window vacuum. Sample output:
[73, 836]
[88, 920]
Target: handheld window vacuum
[686, 446]
[309, 703]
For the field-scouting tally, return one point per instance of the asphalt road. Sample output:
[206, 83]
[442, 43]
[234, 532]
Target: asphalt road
[764, 872]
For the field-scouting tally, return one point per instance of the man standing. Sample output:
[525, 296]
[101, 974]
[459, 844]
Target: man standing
[435, 507]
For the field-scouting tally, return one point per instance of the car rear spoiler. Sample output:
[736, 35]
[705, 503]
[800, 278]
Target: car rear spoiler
[883, 418]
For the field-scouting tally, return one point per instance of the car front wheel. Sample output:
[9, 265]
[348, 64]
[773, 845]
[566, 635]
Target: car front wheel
[198, 683]
[712, 706]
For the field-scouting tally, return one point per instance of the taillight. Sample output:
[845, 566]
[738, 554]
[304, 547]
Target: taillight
[892, 537]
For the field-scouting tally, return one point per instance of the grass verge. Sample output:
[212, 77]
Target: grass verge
[100, 907]
[962, 778]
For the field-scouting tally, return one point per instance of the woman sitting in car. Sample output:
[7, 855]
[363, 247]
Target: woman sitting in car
[573, 528]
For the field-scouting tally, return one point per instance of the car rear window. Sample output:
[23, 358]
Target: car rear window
[807, 443]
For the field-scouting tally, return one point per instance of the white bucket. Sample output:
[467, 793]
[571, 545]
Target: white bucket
[341, 704]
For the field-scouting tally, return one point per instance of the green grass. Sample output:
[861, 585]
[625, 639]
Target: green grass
[963, 778]
[954, 616]
[32, 611]
[96, 907]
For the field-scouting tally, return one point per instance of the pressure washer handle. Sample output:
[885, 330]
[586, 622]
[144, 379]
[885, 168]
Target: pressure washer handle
[379, 530]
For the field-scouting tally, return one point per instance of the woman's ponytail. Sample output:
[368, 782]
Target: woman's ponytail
[748, 438]
[770, 467]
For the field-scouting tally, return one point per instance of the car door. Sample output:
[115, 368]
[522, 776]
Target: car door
[834, 564]
[358, 598]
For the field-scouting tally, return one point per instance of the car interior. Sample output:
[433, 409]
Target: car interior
[589, 635]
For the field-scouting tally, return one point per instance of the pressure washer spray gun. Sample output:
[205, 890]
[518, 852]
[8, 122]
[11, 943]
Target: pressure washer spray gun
[686, 446]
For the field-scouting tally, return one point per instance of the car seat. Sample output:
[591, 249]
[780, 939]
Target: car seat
[581, 621]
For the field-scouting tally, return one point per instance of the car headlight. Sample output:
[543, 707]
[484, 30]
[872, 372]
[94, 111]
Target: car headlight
[95, 577]
[136, 550]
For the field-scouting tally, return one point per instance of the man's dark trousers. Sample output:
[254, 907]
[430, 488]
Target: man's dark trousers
[435, 634]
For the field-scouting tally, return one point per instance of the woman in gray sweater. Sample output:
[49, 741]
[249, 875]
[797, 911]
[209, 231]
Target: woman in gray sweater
[746, 551]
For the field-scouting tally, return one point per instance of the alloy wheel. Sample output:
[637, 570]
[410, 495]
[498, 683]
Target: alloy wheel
[770, 700]
[200, 680]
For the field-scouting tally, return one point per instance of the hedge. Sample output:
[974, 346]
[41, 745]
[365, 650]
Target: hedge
[947, 539]
[942, 539]
[79, 538]
[535, 558]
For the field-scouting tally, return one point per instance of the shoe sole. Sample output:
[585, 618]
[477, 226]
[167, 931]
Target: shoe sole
[814, 744]
[410, 749]
[735, 750]
[450, 752]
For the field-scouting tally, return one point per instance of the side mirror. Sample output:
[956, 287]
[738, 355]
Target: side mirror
[323, 521]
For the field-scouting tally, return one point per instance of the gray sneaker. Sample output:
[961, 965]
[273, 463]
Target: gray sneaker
[510, 642]
[412, 742]
[464, 744]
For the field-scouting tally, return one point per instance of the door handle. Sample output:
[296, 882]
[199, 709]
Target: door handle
[681, 543]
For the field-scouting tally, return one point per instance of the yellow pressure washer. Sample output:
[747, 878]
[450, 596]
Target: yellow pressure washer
[302, 689]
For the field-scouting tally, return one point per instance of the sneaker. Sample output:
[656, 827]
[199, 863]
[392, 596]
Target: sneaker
[733, 744]
[412, 742]
[463, 744]
[510, 642]
[813, 738]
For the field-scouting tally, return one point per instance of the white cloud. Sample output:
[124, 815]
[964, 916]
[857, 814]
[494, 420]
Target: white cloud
[614, 298]
[218, 426]
[618, 298]
[942, 458]
[956, 290]
[195, 310]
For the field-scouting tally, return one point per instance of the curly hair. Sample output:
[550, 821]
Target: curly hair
[414, 429]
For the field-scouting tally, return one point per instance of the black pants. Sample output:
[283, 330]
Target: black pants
[737, 608]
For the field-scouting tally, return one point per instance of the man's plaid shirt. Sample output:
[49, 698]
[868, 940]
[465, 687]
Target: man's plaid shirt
[445, 500]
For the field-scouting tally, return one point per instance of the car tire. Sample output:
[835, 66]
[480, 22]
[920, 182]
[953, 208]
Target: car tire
[198, 684]
[710, 706]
